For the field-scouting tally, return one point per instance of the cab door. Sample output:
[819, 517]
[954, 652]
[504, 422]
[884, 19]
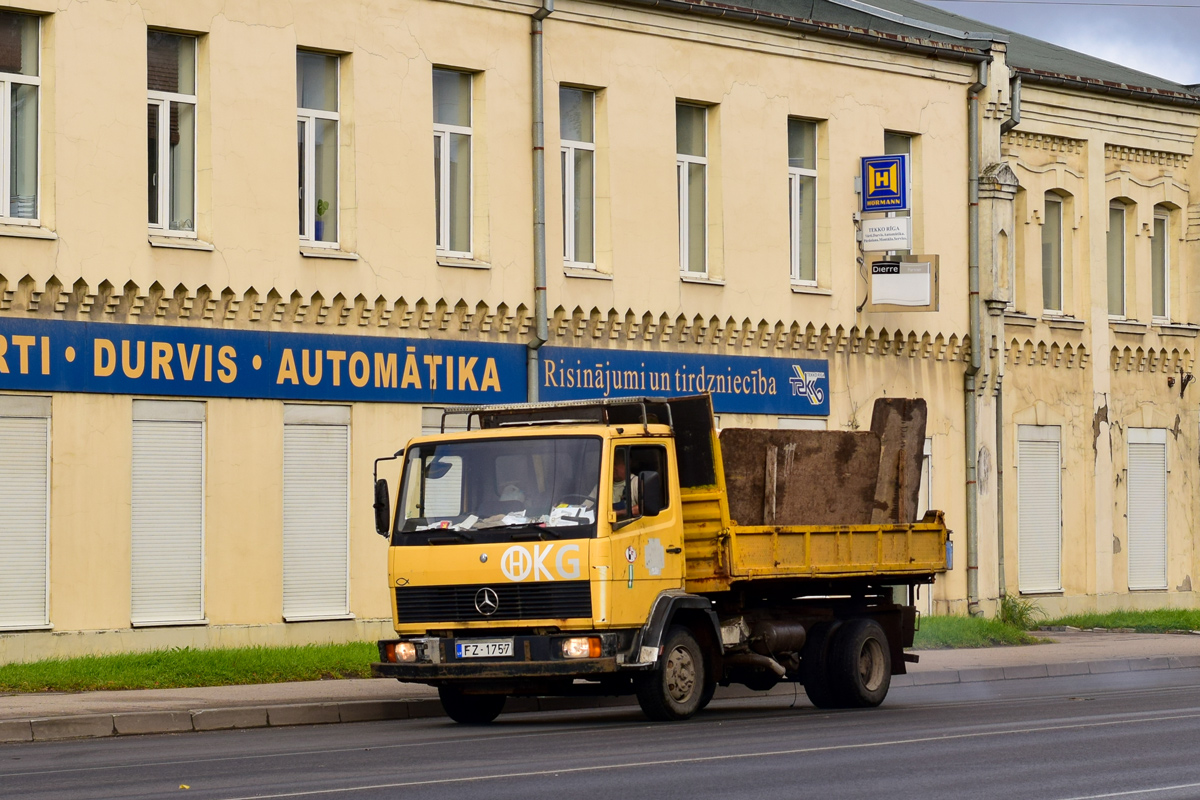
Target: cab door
[646, 549]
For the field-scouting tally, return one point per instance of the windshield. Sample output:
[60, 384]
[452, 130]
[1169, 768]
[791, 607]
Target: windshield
[539, 483]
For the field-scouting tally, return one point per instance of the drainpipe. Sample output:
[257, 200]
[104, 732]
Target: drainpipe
[969, 401]
[1014, 119]
[541, 329]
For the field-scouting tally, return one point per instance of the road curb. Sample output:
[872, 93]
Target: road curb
[130, 723]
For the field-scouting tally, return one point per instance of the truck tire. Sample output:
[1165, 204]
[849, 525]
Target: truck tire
[675, 687]
[470, 709]
[815, 666]
[860, 664]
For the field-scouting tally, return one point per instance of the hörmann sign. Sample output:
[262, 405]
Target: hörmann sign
[885, 183]
[111, 358]
[738, 384]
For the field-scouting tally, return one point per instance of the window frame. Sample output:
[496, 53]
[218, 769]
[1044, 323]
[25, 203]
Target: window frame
[794, 176]
[441, 134]
[1051, 197]
[163, 101]
[7, 79]
[567, 148]
[908, 137]
[1117, 205]
[308, 118]
[682, 187]
[1164, 215]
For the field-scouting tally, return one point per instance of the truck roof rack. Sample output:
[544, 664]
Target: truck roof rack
[606, 411]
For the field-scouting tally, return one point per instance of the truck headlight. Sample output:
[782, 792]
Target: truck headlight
[581, 647]
[400, 651]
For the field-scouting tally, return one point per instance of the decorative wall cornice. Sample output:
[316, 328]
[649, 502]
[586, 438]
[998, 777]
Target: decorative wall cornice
[1030, 353]
[1150, 359]
[1038, 141]
[1142, 156]
[449, 318]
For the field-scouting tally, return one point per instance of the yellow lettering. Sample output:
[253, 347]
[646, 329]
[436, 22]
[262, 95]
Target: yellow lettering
[491, 378]
[208, 363]
[189, 367]
[466, 373]
[160, 359]
[433, 362]
[3, 350]
[359, 361]
[226, 355]
[449, 372]
[287, 368]
[23, 343]
[104, 361]
[411, 375]
[314, 377]
[129, 369]
[385, 370]
[336, 357]
[45, 355]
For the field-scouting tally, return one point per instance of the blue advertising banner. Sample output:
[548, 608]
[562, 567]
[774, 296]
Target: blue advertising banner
[885, 183]
[738, 384]
[111, 358]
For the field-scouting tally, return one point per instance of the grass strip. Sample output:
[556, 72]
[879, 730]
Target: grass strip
[943, 633]
[1159, 620]
[184, 668]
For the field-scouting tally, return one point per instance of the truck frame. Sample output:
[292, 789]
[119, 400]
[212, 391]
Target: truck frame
[645, 583]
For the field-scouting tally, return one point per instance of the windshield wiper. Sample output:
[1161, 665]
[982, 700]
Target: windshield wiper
[450, 537]
[541, 534]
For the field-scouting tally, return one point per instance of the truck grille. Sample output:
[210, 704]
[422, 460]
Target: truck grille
[558, 600]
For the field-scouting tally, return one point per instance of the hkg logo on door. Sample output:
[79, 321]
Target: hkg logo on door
[519, 564]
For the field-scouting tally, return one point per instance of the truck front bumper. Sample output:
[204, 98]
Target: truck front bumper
[534, 658]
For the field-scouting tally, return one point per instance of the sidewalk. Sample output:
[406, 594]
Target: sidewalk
[42, 717]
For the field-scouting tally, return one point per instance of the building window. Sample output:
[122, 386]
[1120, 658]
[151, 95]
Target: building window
[1116, 259]
[1160, 264]
[171, 129]
[691, 166]
[1146, 495]
[19, 86]
[317, 146]
[577, 116]
[1052, 255]
[24, 514]
[802, 199]
[452, 161]
[316, 512]
[1039, 508]
[167, 513]
[900, 144]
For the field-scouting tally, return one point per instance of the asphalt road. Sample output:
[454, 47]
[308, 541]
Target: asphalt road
[1127, 735]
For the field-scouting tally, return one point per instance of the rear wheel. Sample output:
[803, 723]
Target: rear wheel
[675, 688]
[815, 666]
[860, 664]
[470, 709]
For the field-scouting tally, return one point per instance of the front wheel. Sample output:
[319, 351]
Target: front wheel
[470, 709]
[861, 664]
[675, 688]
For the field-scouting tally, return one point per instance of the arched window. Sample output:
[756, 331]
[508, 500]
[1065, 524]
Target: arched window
[1052, 254]
[1160, 263]
[1117, 211]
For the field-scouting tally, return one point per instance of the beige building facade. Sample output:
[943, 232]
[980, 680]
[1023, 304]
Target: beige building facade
[329, 232]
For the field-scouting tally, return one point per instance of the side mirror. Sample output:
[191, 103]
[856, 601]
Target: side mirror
[383, 508]
[652, 496]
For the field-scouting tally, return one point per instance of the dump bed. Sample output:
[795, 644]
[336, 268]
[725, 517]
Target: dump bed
[819, 504]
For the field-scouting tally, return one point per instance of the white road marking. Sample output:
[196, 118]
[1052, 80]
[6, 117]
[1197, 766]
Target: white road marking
[1133, 792]
[725, 757]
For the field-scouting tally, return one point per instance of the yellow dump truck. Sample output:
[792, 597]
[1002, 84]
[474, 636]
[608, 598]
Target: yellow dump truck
[627, 547]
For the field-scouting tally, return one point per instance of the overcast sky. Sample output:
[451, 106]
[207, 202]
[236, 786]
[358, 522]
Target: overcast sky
[1142, 34]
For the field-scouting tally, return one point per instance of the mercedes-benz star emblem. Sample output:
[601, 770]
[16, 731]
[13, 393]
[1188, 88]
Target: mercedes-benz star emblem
[486, 601]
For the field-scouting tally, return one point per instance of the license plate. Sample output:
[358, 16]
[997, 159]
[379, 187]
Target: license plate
[493, 649]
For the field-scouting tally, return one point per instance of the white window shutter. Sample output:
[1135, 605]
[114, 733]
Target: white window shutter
[316, 521]
[167, 515]
[1039, 508]
[1146, 488]
[24, 521]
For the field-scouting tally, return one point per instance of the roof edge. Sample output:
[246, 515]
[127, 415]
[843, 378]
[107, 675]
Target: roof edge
[912, 44]
[920, 24]
[1108, 87]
